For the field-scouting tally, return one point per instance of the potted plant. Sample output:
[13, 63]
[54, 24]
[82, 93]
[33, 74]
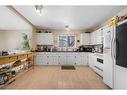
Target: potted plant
[25, 42]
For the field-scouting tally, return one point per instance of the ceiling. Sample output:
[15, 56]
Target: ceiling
[56, 17]
[10, 21]
[77, 17]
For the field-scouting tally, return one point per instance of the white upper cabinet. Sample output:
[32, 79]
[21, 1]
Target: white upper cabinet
[96, 37]
[44, 39]
[92, 38]
[85, 39]
[99, 36]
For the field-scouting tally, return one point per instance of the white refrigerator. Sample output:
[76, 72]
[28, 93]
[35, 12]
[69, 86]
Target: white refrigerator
[109, 55]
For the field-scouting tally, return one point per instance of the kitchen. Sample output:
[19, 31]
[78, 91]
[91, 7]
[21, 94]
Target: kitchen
[35, 44]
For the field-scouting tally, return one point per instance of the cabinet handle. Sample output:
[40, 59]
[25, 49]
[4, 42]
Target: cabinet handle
[75, 56]
[75, 63]
[47, 56]
[59, 56]
[47, 63]
[59, 62]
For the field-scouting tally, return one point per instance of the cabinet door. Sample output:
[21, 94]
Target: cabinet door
[54, 60]
[85, 39]
[40, 38]
[95, 37]
[99, 36]
[41, 60]
[45, 60]
[38, 60]
[78, 59]
[91, 38]
[49, 60]
[62, 59]
[70, 60]
[49, 39]
[44, 39]
[91, 60]
[84, 58]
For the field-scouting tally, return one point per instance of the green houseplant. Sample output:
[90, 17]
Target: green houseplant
[25, 42]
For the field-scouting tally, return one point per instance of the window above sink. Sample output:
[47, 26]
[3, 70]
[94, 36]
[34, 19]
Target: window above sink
[66, 41]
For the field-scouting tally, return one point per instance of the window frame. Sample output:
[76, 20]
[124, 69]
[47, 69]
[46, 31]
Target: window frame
[67, 41]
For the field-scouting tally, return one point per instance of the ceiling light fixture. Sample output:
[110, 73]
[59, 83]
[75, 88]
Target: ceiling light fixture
[39, 9]
[67, 27]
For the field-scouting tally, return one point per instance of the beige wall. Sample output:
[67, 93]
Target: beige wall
[33, 37]
[10, 40]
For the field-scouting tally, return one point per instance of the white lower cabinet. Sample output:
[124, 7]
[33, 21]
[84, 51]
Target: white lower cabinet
[39, 60]
[85, 59]
[91, 61]
[70, 59]
[61, 59]
[54, 60]
[78, 59]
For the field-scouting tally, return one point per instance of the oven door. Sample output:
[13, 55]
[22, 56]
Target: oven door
[99, 66]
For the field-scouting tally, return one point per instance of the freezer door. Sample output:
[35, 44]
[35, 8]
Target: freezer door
[121, 45]
[108, 66]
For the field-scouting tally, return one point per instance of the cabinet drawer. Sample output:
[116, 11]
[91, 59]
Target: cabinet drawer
[22, 56]
[11, 59]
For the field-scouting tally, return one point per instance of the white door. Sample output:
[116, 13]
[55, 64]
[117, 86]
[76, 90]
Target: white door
[108, 67]
[44, 39]
[50, 59]
[70, 59]
[38, 60]
[94, 35]
[54, 59]
[62, 59]
[91, 60]
[99, 36]
[78, 59]
[84, 58]
[45, 60]
[85, 39]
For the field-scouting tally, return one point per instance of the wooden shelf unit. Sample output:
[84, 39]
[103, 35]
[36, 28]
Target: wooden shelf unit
[8, 59]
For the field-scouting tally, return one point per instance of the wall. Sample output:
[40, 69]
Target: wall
[33, 38]
[10, 40]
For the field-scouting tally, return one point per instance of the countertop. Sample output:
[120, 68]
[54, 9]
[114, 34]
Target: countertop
[64, 52]
[11, 55]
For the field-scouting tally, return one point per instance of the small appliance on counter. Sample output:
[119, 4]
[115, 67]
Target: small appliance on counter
[44, 48]
[85, 48]
[4, 53]
[98, 48]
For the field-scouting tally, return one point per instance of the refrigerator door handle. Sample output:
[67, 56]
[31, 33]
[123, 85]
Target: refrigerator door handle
[117, 48]
[113, 46]
[114, 49]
